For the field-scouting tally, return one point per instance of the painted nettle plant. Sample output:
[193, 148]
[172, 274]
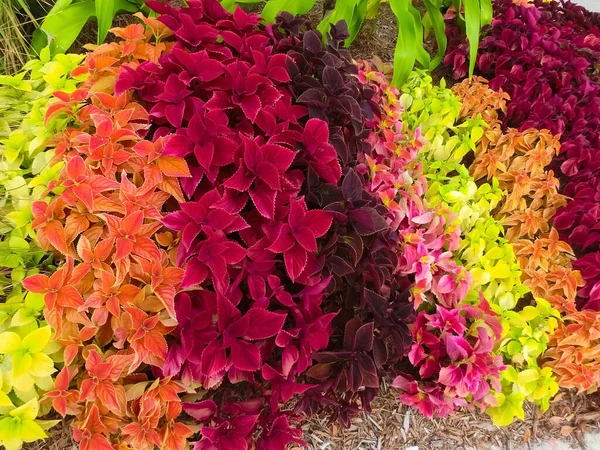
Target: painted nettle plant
[217, 223]
[416, 21]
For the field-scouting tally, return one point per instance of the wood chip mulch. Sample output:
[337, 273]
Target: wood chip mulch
[392, 426]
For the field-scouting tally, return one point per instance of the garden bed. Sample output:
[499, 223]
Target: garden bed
[319, 257]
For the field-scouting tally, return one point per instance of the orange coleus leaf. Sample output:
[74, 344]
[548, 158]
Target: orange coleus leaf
[55, 233]
[167, 390]
[576, 376]
[130, 237]
[55, 288]
[172, 166]
[141, 435]
[64, 401]
[174, 435]
[172, 187]
[75, 225]
[157, 29]
[94, 257]
[152, 177]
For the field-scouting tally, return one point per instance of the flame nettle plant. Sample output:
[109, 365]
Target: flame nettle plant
[453, 193]
[396, 176]
[278, 234]
[112, 301]
[453, 364]
[25, 152]
[545, 58]
[468, 209]
[24, 165]
[518, 160]
[573, 351]
[453, 356]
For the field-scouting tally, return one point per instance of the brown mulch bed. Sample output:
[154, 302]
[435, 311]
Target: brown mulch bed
[392, 426]
[60, 439]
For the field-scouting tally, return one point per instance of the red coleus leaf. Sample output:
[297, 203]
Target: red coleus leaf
[201, 411]
[245, 356]
[263, 324]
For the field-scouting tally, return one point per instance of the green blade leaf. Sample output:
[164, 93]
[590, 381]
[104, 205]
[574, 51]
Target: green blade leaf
[105, 11]
[486, 12]
[439, 29]
[473, 24]
[405, 53]
[295, 7]
[422, 55]
[229, 5]
[62, 25]
[373, 8]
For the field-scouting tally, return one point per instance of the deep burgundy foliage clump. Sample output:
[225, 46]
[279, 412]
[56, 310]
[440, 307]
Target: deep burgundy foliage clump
[547, 58]
[288, 260]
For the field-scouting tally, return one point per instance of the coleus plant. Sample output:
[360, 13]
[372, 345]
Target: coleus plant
[454, 195]
[452, 356]
[112, 300]
[24, 138]
[573, 351]
[518, 160]
[555, 48]
[274, 211]
[28, 358]
[26, 369]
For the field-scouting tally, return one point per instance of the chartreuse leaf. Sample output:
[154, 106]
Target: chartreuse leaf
[35, 341]
[105, 10]
[4, 400]
[509, 406]
[473, 25]
[405, 53]
[9, 342]
[295, 7]
[436, 18]
[20, 426]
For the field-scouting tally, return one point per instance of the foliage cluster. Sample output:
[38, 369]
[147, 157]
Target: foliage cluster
[451, 357]
[555, 49]
[249, 227]
[25, 157]
[112, 301]
[450, 133]
[27, 355]
[279, 238]
[546, 57]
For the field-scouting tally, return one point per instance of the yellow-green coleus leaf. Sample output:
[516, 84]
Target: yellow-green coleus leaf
[20, 426]
[509, 406]
[27, 357]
